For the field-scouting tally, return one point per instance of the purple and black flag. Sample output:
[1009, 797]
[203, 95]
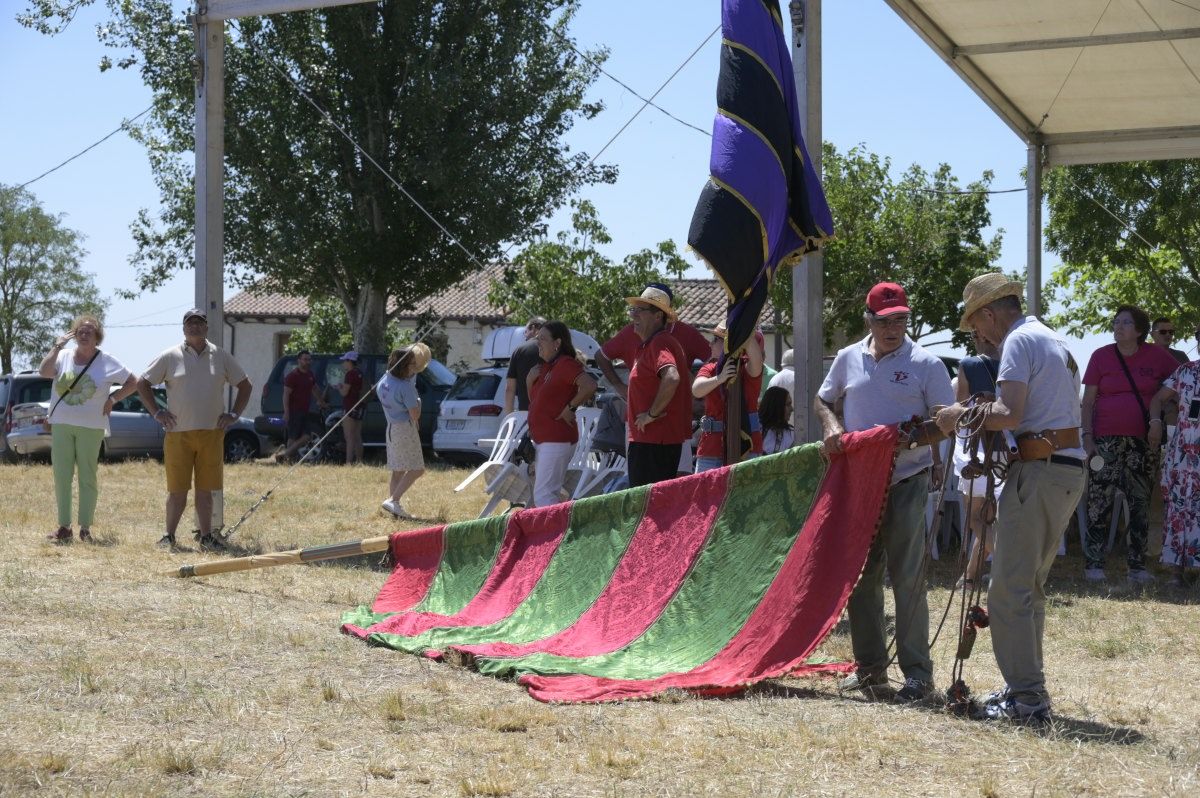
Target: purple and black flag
[763, 206]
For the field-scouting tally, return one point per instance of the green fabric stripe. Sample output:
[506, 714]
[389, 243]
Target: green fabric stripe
[734, 569]
[362, 616]
[467, 556]
[598, 533]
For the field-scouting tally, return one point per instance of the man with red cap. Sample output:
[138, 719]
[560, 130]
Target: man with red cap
[886, 378]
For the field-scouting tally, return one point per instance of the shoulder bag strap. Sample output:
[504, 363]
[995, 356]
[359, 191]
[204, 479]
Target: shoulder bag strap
[74, 382]
[1136, 393]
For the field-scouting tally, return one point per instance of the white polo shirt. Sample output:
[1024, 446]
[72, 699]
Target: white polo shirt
[1037, 356]
[905, 383]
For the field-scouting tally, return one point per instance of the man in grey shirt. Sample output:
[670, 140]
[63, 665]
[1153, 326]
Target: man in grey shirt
[887, 379]
[1038, 386]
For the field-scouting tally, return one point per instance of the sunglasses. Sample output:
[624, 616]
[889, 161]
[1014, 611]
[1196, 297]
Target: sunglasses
[1164, 332]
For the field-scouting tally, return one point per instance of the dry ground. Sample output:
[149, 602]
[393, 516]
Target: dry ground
[115, 680]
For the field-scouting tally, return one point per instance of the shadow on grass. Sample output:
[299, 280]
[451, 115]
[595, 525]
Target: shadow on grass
[1061, 728]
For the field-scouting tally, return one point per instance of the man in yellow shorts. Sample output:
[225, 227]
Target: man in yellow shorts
[195, 373]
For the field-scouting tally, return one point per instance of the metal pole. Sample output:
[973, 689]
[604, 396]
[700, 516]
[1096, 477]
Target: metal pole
[808, 289]
[1033, 257]
[210, 171]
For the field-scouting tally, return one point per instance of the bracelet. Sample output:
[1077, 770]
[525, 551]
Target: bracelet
[572, 407]
[1086, 433]
[1159, 420]
[651, 414]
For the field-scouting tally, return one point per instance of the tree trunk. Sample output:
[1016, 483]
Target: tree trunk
[368, 320]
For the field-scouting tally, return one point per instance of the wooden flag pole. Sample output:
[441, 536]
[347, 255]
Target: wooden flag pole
[330, 551]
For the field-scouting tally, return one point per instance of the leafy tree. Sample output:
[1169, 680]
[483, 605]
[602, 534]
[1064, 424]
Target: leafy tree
[42, 287]
[328, 330]
[465, 102]
[1154, 263]
[922, 231]
[569, 279]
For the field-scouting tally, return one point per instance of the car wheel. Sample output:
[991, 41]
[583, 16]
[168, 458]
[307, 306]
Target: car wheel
[240, 447]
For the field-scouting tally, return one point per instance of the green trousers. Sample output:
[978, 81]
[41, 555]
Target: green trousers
[1039, 499]
[899, 549]
[75, 448]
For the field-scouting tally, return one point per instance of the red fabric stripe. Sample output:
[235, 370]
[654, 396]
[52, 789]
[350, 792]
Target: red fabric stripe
[671, 533]
[530, 540]
[417, 554]
[803, 602]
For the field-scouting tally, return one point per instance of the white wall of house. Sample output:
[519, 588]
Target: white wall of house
[255, 346]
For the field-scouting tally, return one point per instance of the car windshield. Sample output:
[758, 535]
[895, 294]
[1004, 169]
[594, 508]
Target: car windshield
[33, 391]
[475, 385]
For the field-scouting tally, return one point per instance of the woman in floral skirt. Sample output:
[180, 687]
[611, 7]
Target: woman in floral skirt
[1181, 467]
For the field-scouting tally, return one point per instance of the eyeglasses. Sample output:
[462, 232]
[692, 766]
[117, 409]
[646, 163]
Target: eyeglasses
[635, 309]
[890, 321]
[1122, 323]
[1164, 332]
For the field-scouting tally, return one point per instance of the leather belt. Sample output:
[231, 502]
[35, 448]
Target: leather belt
[1042, 445]
[1061, 459]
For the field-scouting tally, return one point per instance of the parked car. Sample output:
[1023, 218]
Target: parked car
[432, 385]
[470, 414]
[134, 432]
[18, 388]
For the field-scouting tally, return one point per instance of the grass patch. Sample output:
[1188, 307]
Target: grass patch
[115, 680]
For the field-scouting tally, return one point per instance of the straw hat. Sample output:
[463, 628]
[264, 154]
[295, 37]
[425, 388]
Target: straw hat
[421, 356]
[657, 295]
[985, 289]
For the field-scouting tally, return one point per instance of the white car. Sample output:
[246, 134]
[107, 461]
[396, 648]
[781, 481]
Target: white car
[470, 414]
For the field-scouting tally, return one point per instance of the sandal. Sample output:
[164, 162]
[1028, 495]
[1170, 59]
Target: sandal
[62, 535]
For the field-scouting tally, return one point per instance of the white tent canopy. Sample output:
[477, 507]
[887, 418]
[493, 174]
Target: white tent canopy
[1089, 80]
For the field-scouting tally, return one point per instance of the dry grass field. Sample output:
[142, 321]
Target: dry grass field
[115, 680]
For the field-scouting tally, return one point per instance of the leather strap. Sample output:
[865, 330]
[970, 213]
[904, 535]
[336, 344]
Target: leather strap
[1041, 445]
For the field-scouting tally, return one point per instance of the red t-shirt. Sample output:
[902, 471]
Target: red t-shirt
[712, 444]
[624, 345]
[1117, 410]
[301, 383]
[675, 423]
[353, 380]
[548, 395]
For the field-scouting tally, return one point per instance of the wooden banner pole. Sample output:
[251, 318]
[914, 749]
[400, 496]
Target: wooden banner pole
[331, 551]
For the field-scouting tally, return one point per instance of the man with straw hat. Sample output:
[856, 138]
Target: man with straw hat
[1038, 401]
[886, 378]
[659, 411]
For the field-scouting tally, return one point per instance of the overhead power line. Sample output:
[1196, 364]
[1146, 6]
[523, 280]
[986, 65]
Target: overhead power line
[123, 126]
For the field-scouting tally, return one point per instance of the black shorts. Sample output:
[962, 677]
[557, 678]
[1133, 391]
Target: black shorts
[299, 425]
[357, 413]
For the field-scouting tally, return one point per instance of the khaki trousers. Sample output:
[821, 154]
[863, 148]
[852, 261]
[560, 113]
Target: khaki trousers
[899, 548]
[1038, 500]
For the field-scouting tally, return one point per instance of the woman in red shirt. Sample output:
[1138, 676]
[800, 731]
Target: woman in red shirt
[557, 387]
[351, 391]
[709, 386]
[1119, 384]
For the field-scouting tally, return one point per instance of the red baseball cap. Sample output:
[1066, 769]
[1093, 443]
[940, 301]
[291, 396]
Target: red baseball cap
[887, 299]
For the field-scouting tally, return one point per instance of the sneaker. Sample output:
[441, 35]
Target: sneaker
[1137, 576]
[60, 535]
[865, 682]
[395, 509]
[1006, 706]
[211, 542]
[85, 535]
[166, 542]
[1094, 575]
[914, 690]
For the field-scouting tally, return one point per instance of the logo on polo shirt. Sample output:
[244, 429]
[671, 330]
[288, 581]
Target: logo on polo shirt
[900, 377]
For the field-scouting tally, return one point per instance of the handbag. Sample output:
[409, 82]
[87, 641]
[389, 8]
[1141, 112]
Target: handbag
[70, 388]
[1136, 393]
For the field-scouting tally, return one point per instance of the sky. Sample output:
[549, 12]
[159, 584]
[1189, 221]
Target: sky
[883, 88]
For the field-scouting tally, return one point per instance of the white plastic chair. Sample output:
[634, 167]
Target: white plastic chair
[583, 460]
[609, 465]
[507, 437]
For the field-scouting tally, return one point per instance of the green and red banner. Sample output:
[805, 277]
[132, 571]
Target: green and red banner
[707, 583]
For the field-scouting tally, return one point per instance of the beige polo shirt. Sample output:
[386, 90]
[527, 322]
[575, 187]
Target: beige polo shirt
[195, 383]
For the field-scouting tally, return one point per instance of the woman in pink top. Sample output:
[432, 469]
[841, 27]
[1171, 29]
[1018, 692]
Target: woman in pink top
[1119, 384]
